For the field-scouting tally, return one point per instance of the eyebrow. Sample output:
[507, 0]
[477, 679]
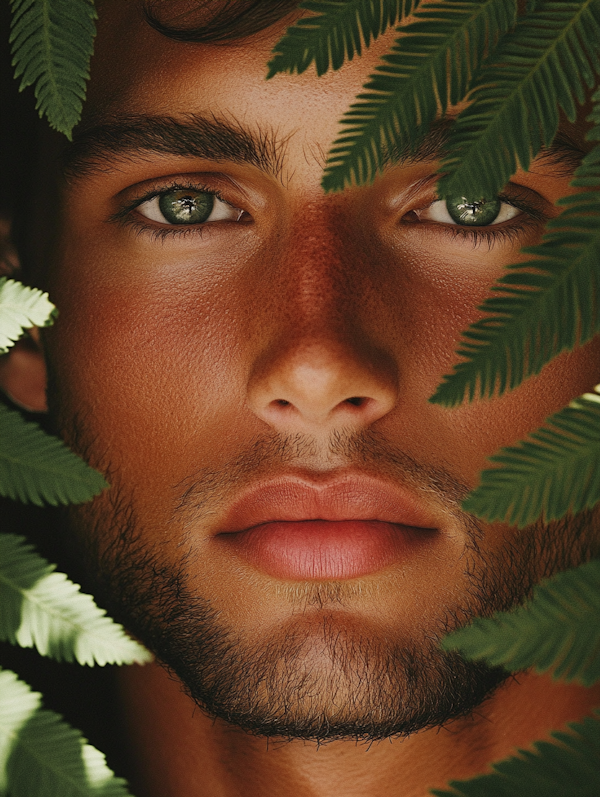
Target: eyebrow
[94, 148]
[563, 153]
[192, 135]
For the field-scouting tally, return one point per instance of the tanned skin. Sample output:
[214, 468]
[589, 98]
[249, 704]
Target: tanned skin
[191, 363]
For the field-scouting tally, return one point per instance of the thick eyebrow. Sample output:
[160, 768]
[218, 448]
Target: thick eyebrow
[95, 148]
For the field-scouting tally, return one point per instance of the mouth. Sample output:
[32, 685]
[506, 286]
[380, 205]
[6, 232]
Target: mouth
[297, 529]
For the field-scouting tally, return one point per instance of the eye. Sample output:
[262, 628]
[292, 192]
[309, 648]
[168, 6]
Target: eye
[187, 206]
[468, 212]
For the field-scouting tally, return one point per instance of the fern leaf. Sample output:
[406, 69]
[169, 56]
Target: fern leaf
[558, 629]
[42, 608]
[36, 467]
[534, 315]
[555, 471]
[20, 308]
[538, 68]
[52, 42]
[40, 755]
[17, 704]
[566, 767]
[430, 65]
[336, 35]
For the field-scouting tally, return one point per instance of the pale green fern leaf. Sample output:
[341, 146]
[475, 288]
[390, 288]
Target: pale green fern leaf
[555, 471]
[429, 68]
[52, 42]
[543, 65]
[36, 467]
[17, 704]
[567, 767]
[42, 608]
[540, 307]
[20, 308]
[558, 630]
[40, 755]
[336, 34]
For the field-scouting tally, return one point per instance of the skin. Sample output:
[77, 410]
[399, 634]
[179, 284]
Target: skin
[174, 352]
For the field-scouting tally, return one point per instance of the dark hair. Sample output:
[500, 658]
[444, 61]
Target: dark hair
[214, 21]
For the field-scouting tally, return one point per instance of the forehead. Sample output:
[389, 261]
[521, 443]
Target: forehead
[138, 71]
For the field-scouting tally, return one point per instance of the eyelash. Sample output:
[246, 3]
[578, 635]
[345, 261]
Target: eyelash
[126, 218]
[531, 217]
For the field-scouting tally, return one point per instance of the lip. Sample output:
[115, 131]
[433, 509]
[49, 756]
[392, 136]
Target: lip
[299, 529]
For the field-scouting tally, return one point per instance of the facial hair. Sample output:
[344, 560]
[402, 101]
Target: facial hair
[321, 676]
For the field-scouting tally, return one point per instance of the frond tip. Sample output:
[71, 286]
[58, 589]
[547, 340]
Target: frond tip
[41, 755]
[558, 630]
[36, 467]
[569, 766]
[52, 43]
[21, 307]
[336, 35]
[42, 608]
[555, 471]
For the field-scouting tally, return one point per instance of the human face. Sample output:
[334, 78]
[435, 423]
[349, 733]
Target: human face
[283, 526]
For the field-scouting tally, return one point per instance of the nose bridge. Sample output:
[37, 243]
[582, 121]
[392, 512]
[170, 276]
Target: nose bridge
[318, 272]
[319, 369]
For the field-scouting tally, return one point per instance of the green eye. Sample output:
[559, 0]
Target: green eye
[473, 213]
[183, 206]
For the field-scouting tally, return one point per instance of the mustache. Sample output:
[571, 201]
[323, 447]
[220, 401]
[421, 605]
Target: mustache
[368, 451]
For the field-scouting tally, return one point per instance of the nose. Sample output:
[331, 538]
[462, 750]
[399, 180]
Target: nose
[322, 385]
[320, 369]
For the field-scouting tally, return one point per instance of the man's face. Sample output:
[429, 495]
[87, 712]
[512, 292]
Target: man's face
[250, 361]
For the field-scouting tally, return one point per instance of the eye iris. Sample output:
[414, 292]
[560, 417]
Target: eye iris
[186, 207]
[473, 213]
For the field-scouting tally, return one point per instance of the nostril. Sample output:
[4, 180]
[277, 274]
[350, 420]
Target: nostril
[356, 400]
[282, 402]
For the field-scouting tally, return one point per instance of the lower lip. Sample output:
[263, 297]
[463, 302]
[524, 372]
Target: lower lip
[324, 549]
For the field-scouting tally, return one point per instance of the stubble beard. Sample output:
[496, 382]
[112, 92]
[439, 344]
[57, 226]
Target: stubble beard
[321, 676]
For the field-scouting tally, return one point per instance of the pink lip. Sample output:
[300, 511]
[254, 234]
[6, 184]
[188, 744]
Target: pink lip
[296, 529]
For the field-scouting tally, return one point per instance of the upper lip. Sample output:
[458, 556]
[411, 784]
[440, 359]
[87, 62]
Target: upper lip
[350, 497]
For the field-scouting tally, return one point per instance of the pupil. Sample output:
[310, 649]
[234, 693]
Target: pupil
[473, 212]
[186, 207]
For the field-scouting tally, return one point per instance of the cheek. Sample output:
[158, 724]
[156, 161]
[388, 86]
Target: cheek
[469, 434]
[438, 293]
[154, 373]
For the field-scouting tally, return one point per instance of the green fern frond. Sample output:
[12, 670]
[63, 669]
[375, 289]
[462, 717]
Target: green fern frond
[555, 471]
[538, 68]
[336, 35]
[42, 608]
[20, 308]
[36, 467]
[52, 43]
[41, 755]
[569, 767]
[539, 308]
[558, 629]
[429, 68]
